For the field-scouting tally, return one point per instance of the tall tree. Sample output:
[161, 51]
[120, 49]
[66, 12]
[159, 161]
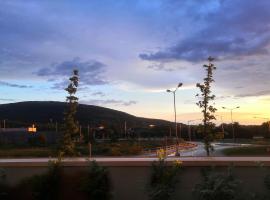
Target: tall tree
[208, 109]
[71, 127]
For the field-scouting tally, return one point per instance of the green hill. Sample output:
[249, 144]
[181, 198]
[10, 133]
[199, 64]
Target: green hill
[49, 111]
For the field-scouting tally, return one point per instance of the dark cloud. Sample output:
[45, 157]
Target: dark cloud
[101, 94]
[90, 72]
[3, 83]
[109, 102]
[235, 28]
[255, 94]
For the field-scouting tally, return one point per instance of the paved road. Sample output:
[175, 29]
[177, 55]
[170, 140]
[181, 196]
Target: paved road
[218, 147]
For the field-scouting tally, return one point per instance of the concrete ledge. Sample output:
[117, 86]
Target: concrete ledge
[139, 161]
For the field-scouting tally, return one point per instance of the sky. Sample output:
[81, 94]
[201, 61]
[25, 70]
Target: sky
[129, 52]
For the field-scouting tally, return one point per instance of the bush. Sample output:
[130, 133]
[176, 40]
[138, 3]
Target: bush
[46, 186]
[163, 180]
[37, 140]
[96, 184]
[217, 186]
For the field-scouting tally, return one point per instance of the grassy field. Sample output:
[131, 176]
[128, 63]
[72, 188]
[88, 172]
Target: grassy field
[121, 148]
[247, 151]
[27, 152]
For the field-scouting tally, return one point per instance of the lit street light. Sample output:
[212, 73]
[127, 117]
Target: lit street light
[231, 109]
[174, 91]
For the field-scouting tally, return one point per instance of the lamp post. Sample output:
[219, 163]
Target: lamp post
[268, 121]
[231, 109]
[173, 92]
[189, 131]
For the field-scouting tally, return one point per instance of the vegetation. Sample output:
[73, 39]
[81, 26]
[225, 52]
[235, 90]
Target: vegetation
[217, 186]
[23, 152]
[96, 184]
[163, 180]
[247, 151]
[208, 110]
[46, 186]
[71, 128]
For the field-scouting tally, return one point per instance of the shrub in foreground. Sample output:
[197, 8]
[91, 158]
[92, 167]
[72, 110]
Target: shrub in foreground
[214, 185]
[96, 184]
[163, 180]
[47, 186]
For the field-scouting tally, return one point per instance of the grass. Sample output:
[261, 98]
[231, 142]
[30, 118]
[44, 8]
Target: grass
[121, 148]
[27, 152]
[247, 151]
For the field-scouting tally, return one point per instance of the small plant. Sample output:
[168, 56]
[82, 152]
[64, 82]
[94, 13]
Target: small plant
[161, 154]
[163, 180]
[96, 184]
[46, 186]
[221, 186]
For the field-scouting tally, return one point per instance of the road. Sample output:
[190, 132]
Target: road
[200, 151]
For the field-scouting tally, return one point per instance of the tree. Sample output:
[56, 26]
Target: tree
[208, 110]
[71, 127]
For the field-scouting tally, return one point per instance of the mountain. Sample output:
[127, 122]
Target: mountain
[50, 111]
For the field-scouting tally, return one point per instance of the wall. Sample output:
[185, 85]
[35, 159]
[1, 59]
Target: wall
[130, 178]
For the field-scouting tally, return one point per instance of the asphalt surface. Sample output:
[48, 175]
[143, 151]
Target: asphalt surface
[200, 151]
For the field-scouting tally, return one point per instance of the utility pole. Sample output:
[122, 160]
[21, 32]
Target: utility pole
[56, 127]
[222, 125]
[189, 129]
[231, 109]
[180, 132]
[80, 133]
[89, 141]
[125, 129]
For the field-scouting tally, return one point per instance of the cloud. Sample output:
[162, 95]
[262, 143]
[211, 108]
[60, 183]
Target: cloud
[4, 99]
[90, 72]
[101, 94]
[255, 94]
[229, 31]
[3, 83]
[109, 102]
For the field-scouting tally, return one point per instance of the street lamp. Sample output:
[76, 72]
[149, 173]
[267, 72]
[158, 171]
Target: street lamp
[231, 109]
[268, 121]
[189, 131]
[174, 91]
